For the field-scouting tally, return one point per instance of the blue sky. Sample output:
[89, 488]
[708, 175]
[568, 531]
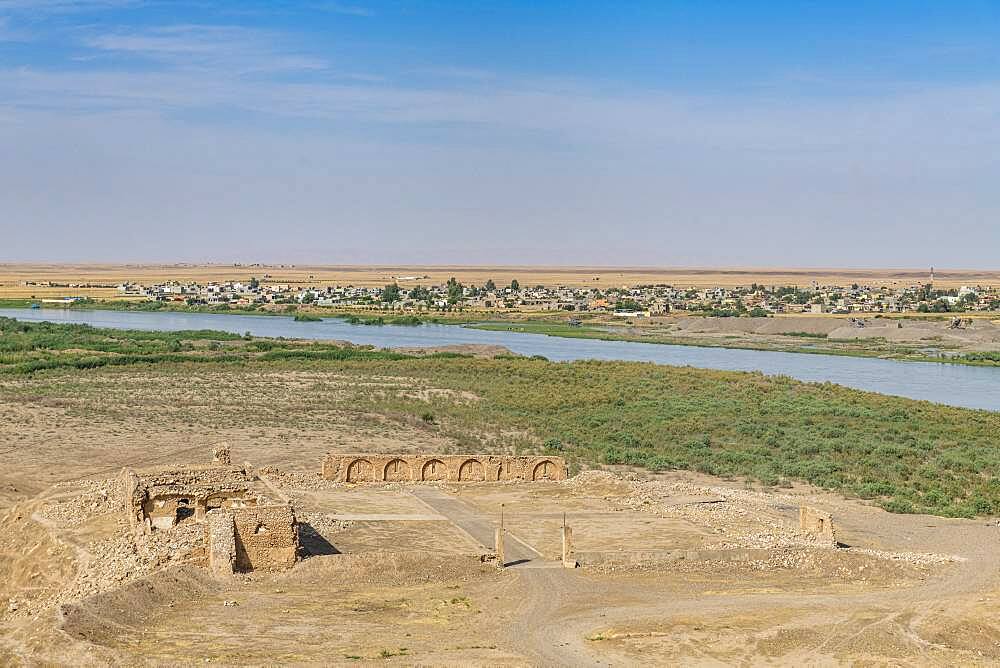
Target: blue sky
[655, 133]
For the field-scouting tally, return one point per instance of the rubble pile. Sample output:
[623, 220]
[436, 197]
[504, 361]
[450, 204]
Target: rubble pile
[119, 559]
[914, 558]
[116, 559]
[324, 525]
[98, 497]
[743, 518]
[297, 479]
[591, 477]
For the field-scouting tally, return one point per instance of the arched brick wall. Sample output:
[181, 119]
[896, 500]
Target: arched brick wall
[360, 470]
[371, 467]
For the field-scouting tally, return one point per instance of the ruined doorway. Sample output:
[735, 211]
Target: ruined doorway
[396, 470]
[471, 470]
[360, 470]
[545, 470]
[184, 510]
[434, 470]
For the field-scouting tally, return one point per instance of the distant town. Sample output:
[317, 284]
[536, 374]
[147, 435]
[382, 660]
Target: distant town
[409, 295]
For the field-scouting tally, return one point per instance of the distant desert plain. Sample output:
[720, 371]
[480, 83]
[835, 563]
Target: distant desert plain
[101, 280]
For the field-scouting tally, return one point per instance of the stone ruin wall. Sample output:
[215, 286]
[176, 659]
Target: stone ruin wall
[264, 538]
[243, 531]
[267, 538]
[366, 467]
[153, 498]
[133, 497]
[220, 539]
[817, 522]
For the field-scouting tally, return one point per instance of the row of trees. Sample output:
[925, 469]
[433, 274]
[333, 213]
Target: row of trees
[454, 291]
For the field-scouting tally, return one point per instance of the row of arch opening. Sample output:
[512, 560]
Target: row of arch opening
[399, 470]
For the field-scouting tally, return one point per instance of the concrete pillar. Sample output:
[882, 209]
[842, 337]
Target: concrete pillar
[498, 539]
[567, 547]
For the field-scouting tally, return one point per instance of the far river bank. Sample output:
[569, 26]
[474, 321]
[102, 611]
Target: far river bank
[923, 339]
[952, 384]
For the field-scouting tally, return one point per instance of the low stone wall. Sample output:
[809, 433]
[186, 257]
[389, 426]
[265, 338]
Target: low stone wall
[361, 468]
[653, 557]
[266, 537]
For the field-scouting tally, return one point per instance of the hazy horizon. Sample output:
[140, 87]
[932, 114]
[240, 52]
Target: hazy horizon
[672, 268]
[784, 135]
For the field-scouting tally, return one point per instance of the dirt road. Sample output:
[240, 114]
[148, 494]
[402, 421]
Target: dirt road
[478, 526]
[560, 609]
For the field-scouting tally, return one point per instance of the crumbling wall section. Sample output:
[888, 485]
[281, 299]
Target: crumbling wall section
[266, 537]
[244, 529]
[220, 537]
[158, 498]
[371, 467]
[817, 522]
[133, 495]
[221, 454]
[196, 480]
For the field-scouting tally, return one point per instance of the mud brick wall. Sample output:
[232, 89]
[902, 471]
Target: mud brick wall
[266, 537]
[817, 522]
[155, 495]
[370, 467]
[220, 537]
[133, 495]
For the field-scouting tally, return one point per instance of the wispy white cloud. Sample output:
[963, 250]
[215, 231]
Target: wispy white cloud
[460, 73]
[342, 8]
[902, 121]
[286, 135]
[234, 48]
[11, 33]
[65, 6]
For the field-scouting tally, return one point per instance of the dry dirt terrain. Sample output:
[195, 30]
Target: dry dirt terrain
[675, 569]
[972, 334]
[13, 276]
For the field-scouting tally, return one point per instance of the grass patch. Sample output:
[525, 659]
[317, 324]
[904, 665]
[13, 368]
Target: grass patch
[806, 335]
[982, 358]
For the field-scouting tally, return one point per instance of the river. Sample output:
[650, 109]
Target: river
[952, 384]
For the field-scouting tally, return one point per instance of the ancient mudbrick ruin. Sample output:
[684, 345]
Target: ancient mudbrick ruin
[361, 468]
[260, 538]
[817, 522]
[244, 529]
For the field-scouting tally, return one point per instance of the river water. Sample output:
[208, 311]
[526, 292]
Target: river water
[953, 384]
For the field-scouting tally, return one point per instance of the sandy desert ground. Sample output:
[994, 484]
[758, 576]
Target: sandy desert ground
[827, 332]
[13, 276]
[676, 568]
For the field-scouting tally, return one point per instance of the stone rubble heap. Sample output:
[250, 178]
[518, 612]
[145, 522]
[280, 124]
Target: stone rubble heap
[743, 519]
[98, 497]
[310, 481]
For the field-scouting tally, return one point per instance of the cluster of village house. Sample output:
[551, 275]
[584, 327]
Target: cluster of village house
[624, 301]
